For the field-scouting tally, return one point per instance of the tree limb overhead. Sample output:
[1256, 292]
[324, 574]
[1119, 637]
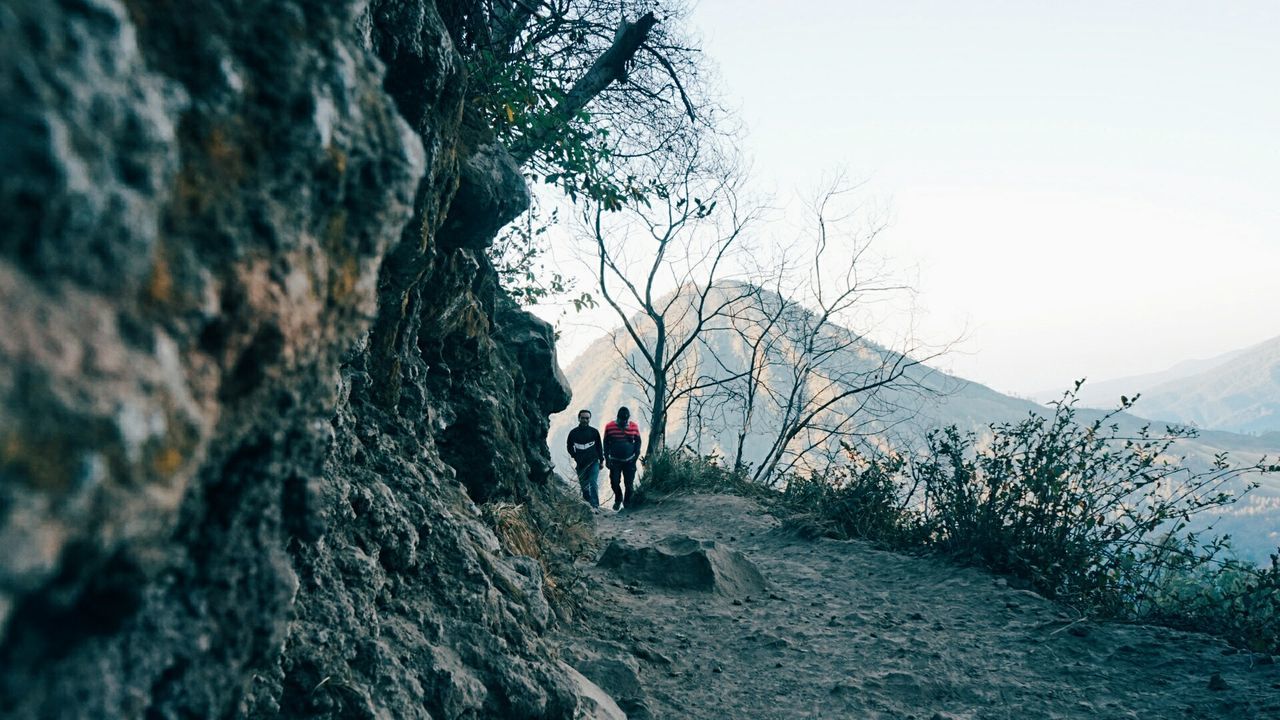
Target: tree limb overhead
[609, 68]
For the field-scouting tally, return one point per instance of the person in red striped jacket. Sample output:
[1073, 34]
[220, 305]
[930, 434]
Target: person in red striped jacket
[621, 450]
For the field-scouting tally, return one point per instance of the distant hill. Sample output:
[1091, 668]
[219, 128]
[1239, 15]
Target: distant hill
[1107, 393]
[1237, 391]
[1239, 395]
[932, 399]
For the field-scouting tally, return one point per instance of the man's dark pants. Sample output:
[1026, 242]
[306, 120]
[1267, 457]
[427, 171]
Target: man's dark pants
[622, 471]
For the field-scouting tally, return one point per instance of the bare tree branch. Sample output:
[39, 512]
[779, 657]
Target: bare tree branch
[686, 235]
[675, 78]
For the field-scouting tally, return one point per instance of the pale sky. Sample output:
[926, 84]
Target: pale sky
[1081, 189]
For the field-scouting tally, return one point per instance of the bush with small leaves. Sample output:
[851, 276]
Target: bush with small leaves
[864, 499]
[679, 470]
[1190, 587]
[1077, 509]
[1098, 519]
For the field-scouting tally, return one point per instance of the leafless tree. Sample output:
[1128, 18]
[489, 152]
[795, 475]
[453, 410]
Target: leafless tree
[807, 380]
[661, 265]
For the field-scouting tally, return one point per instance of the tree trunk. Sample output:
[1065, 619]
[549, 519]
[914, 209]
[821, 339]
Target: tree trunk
[657, 418]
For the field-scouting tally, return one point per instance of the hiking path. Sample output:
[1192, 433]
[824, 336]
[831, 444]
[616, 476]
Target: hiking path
[840, 629]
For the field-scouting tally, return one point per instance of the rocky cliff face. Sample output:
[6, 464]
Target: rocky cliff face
[256, 372]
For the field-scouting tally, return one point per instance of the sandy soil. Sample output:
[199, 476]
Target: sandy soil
[847, 631]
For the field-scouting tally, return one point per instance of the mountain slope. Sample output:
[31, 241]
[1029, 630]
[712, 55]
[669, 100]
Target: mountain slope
[926, 397]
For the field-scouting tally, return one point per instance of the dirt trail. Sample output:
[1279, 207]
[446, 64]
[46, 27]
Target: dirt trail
[847, 631]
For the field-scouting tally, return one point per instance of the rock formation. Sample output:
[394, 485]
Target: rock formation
[684, 563]
[256, 371]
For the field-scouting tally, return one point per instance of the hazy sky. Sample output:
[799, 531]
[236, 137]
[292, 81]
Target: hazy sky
[1087, 188]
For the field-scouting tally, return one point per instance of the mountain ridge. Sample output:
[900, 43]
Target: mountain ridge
[1236, 391]
[1240, 395]
[1102, 393]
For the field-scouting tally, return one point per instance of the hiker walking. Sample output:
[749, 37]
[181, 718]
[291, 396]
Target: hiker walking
[587, 451]
[621, 450]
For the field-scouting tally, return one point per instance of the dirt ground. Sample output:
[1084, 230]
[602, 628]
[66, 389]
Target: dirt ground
[843, 630]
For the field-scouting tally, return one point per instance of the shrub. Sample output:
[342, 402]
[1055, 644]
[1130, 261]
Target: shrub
[1226, 598]
[1078, 510]
[862, 499]
[681, 470]
[1098, 519]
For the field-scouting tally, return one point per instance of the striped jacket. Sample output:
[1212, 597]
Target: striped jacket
[622, 444]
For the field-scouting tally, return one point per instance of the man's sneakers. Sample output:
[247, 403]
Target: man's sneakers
[617, 504]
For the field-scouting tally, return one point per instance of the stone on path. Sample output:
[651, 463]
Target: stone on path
[684, 563]
[615, 670]
[593, 703]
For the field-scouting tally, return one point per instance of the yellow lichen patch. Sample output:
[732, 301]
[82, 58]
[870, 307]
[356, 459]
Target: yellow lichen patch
[167, 461]
[343, 279]
[335, 231]
[337, 157]
[160, 282]
[224, 155]
[473, 321]
[10, 447]
[212, 170]
[344, 266]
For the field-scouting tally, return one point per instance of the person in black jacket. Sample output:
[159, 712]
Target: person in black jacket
[587, 451]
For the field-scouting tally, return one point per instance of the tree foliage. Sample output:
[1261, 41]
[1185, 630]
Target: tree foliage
[571, 93]
[520, 257]
[591, 97]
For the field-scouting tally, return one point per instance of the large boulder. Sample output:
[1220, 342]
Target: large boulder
[684, 563]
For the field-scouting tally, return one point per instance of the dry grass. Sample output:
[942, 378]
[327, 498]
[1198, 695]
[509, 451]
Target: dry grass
[510, 522]
[553, 530]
